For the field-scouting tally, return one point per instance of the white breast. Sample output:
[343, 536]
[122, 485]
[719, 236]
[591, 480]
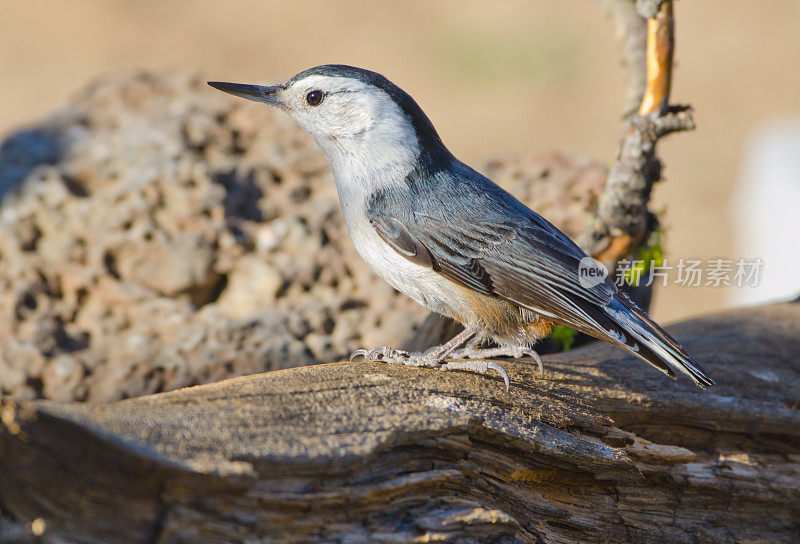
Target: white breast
[420, 283]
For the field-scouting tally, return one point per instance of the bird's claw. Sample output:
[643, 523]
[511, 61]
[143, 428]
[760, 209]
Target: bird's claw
[358, 353]
[491, 365]
[535, 356]
[481, 367]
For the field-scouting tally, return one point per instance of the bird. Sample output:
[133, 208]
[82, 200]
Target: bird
[451, 239]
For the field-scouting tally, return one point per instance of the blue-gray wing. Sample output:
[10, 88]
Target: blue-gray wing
[523, 260]
[457, 222]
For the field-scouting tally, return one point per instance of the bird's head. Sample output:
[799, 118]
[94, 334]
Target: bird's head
[359, 118]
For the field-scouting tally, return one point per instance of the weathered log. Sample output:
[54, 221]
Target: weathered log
[599, 449]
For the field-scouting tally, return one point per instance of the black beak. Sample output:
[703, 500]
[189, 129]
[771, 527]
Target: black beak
[259, 93]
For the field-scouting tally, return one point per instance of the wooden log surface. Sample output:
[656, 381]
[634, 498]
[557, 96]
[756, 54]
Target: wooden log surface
[600, 449]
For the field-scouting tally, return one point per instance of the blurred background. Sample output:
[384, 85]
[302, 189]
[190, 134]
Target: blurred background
[516, 76]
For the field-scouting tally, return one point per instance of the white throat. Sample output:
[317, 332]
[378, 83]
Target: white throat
[374, 161]
[380, 158]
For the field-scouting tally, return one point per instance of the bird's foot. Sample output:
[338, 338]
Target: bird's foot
[479, 366]
[429, 360]
[475, 352]
[398, 356]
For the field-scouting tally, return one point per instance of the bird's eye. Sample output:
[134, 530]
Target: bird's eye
[314, 98]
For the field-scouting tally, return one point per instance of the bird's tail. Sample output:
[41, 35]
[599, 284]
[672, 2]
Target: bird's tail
[653, 344]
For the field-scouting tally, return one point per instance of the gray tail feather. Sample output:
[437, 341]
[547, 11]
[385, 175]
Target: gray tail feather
[654, 344]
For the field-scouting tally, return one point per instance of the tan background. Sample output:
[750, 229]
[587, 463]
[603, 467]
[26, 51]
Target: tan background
[516, 76]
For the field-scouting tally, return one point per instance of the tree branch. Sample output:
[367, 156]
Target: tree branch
[622, 220]
[601, 449]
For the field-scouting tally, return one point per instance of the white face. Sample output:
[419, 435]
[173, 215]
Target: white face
[359, 128]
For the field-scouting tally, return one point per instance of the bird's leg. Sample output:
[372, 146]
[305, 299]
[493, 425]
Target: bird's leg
[472, 351]
[472, 344]
[441, 352]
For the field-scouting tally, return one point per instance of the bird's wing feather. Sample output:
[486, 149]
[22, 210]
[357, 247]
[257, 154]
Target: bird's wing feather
[517, 260]
[394, 232]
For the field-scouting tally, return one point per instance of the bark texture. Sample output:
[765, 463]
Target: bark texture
[599, 449]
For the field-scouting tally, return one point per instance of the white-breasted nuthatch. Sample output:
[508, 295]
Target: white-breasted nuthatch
[450, 238]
